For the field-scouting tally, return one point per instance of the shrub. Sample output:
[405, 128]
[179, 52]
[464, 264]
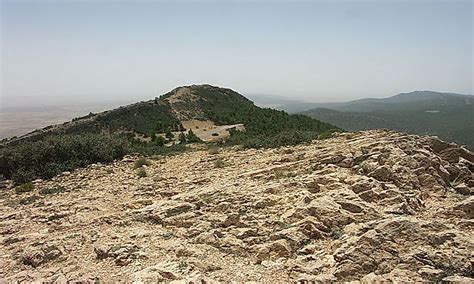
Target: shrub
[191, 137]
[52, 190]
[141, 173]
[26, 187]
[219, 163]
[55, 154]
[29, 200]
[160, 140]
[140, 163]
[182, 137]
[169, 134]
[22, 175]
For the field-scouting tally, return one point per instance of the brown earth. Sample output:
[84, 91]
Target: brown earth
[366, 206]
[208, 131]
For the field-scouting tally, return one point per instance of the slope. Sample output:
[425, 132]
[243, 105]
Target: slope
[449, 116]
[375, 206]
[142, 128]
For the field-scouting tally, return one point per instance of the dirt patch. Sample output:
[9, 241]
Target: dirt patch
[207, 131]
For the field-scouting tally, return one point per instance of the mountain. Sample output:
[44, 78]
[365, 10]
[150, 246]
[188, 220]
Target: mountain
[299, 107]
[196, 102]
[158, 126]
[270, 101]
[449, 116]
[365, 207]
[424, 99]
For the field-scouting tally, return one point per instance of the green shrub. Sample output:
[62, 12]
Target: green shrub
[191, 137]
[140, 163]
[286, 138]
[182, 137]
[141, 173]
[29, 200]
[22, 175]
[160, 141]
[52, 155]
[169, 134]
[219, 163]
[48, 154]
[26, 187]
[52, 190]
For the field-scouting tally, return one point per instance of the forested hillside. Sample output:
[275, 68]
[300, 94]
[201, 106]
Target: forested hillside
[449, 116]
[147, 128]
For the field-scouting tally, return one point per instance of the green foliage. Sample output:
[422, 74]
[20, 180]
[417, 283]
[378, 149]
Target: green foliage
[219, 163]
[182, 137]
[264, 127]
[84, 117]
[141, 173]
[52, 190]
[146, 118]
[449, 116]
[50, 156]
[140, 163]
[169, 134]
[160, 141]
[29, 200]
[213, 151]
[286, 138]
[26, 187]
[91, 139]
[22, 175]
[191, 137]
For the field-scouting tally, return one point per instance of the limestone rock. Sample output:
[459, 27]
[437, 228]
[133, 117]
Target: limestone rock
[372, 206]
[38, 256]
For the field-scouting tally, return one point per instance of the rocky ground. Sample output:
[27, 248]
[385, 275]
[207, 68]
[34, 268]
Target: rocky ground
[365, 206]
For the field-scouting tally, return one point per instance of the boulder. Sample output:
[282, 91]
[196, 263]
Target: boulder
[273, 250]
[38, 256]
[382, 173]
[123, 254]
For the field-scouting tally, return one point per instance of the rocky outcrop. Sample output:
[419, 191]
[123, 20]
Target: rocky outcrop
[370, 206]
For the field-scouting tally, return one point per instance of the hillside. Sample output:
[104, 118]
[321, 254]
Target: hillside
[408, 101]
[186, 114]
[449, 116]
[371, 206]
[196, 102]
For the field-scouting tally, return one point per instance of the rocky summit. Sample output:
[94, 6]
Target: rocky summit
[366, 206]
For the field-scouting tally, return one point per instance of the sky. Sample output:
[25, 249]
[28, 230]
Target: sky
[68, 52]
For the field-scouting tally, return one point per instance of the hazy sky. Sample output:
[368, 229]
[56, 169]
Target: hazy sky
[69, 51]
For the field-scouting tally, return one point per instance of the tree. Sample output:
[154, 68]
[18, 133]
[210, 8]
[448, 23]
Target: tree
[168, 133]
[160, 140]
[191, 137]
[182, 137]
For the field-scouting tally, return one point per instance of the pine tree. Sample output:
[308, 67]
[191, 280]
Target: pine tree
[191, 137]
[160, 141]
[168, 133]
[182, 137]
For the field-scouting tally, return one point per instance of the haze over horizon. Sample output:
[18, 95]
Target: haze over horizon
[70, 52]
